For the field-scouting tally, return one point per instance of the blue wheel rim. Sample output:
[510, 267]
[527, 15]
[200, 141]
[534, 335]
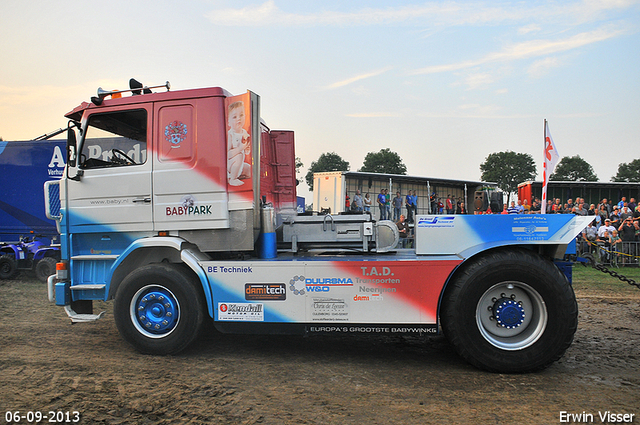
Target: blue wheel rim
[155, 311]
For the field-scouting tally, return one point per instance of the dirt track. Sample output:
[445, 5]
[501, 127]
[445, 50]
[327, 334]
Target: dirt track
[46, 364]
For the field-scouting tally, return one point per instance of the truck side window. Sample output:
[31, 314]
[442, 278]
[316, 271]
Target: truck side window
[115, 139]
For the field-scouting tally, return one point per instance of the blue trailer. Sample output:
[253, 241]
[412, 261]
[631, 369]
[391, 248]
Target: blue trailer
[28, 239]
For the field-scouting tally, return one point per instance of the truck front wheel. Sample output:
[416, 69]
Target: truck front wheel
[510, 311]
[158, 309]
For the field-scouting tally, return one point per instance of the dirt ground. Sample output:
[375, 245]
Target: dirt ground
[49, 365]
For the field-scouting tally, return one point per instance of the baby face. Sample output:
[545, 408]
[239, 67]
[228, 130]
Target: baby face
[236, 119]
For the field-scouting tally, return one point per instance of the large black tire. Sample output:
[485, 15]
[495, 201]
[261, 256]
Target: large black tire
[159, 309]
[510, 312]
[45, 268]
[8, 266]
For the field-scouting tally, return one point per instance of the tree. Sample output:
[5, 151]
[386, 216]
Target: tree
[628, 172]
[384, 161]
[326, 162]
[574, 169]
[508, 169]
[298, 164]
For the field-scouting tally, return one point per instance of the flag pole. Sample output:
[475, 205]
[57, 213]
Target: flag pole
[543, 210]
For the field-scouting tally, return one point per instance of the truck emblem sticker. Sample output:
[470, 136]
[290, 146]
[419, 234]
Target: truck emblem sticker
[297, 285]
[175, 132]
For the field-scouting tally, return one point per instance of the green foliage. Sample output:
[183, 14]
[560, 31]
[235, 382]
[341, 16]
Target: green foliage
[384, 162]
[573, 169]
[326, 162]
[508, 169]
[628, 172]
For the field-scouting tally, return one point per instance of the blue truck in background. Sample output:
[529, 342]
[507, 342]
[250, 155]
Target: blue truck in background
[28, 239]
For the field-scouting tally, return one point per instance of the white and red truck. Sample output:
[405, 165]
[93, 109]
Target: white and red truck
[185, 214]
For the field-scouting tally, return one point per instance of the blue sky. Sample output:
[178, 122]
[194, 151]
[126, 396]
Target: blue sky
[444, 84]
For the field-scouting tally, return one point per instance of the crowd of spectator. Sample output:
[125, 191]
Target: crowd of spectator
[615, 228]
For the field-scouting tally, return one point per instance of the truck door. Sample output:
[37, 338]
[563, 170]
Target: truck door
[284, 169]
[112, 187]
[190, 167]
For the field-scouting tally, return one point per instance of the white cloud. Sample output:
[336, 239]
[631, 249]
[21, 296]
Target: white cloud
[528, 49]
[528, 29]
[357, 78]
[542, 67]
[474, 81]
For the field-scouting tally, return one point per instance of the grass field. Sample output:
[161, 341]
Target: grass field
[589, 281]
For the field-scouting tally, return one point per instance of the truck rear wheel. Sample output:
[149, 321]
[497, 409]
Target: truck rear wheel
[510, 311]
[158, 309]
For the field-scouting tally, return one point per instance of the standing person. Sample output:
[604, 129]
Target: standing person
[387, 203]
[449, 204]
[603, 214]
[347, 202]
[606, 227]
[512, 209]
[408, 204]
[397, 206]
[615, 216]
[381, 205]
[357, 202]
[627, 232]
[414, 202]
[367, 202]
[614, 244]
[381, 200]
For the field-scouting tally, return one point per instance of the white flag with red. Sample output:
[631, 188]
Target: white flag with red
[551, 159]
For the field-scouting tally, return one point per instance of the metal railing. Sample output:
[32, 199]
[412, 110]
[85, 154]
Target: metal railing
[620, 254]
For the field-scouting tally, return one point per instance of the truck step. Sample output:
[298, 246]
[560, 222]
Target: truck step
[88, 287]
[81, 318]
[88, 291]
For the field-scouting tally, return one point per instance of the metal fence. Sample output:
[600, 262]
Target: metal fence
[620, 254]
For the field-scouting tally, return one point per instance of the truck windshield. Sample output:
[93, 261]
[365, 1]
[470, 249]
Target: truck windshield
[115, 139]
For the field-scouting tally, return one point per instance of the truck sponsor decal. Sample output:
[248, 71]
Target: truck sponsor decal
[188, 207]
[530, 228]
[436, 221]
[329, 310]
[265, 292]
[248, 312]
[300, 284]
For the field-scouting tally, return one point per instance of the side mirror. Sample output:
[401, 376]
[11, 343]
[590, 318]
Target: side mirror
[71, 148]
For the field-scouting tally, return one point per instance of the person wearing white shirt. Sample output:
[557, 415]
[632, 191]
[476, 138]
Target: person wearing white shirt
[607, 227]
